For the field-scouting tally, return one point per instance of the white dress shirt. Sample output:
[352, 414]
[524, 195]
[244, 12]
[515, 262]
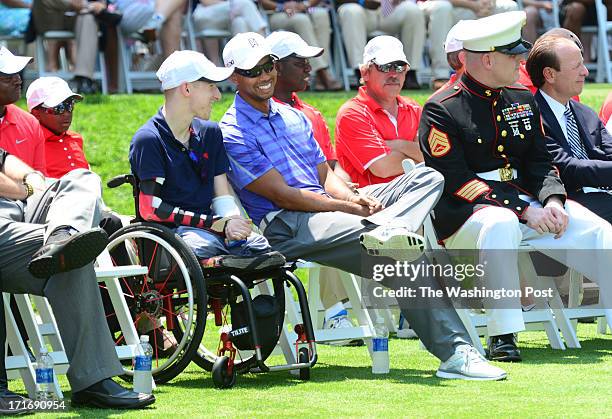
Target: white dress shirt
[558, 110]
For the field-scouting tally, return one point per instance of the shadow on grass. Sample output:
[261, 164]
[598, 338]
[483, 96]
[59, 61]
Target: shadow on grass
[592, 352]
[321, 373]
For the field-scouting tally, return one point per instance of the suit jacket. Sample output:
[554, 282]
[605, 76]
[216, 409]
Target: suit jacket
[576, 173]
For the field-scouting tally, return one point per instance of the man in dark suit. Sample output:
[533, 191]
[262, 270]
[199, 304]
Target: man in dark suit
[577, 139]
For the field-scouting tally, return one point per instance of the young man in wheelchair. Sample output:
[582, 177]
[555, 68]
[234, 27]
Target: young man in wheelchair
[179, 159]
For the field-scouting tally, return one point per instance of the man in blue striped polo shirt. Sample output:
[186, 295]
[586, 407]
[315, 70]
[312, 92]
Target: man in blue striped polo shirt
[305, 211]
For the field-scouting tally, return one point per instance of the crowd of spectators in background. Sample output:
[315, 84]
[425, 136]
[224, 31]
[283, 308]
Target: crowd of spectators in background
[421, 26]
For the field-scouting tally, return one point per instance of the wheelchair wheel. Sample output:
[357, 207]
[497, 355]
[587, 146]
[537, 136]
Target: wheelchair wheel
[226, 296]
[220, 375]
[167, 302]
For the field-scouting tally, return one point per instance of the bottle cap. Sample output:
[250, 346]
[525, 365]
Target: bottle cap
[144, 338]
[43, 350]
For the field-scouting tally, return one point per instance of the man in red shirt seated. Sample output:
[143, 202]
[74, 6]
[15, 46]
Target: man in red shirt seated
[51, 102]
[377, 129]
[293, 76]
[21, 134]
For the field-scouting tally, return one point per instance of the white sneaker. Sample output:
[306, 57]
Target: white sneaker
[336, 317]
[404, 331]
[467, 364]
[395, 242]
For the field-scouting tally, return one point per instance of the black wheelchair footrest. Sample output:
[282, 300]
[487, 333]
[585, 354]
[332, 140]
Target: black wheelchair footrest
[229, 263]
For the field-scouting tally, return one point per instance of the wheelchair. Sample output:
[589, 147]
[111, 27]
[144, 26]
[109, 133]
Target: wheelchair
[205, 306]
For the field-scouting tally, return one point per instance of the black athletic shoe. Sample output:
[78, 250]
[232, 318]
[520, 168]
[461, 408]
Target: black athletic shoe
[503, 349]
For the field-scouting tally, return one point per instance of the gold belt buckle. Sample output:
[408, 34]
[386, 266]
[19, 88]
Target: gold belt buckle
[505, 174]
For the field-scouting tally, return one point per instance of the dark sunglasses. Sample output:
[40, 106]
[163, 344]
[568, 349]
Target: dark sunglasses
[257, 70]
[396, 67]
[63, 107]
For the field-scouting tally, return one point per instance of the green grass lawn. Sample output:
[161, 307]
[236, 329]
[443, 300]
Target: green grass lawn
[548, 383]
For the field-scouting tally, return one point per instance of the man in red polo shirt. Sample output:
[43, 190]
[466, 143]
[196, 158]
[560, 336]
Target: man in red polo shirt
[51, 101]
[377, 129]
[20, 132]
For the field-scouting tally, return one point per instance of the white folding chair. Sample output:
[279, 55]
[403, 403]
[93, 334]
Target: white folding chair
[133, 78]
[64, 73]
[601, 31]
[42, 329]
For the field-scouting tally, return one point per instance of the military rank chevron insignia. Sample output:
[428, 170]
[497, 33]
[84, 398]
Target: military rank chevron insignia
[472, 190]
[438, 142]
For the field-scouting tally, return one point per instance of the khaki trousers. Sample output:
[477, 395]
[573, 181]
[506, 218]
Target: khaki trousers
[501, 6]
[49, 15]
[407, 21]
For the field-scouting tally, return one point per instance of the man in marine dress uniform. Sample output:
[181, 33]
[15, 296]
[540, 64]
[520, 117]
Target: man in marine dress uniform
[501, 189]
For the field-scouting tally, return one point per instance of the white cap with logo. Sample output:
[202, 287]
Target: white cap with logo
[384, 49]
[245, 50]
[283, 44]
[500, 32]
[50, 92]
[452, 44]
[187, 66]
[12, 64]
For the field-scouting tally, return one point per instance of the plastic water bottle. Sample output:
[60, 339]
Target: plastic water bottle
[44, 376]
[142, 367]
[380, 348]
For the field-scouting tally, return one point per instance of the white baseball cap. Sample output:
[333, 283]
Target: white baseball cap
[384, 49]
[187, 66]
[500, 32]
[245, 50]
[12, 64]
[452, 44]
[49, 91]
[284, 43]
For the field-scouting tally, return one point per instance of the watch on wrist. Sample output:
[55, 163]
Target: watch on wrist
[29, 190]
